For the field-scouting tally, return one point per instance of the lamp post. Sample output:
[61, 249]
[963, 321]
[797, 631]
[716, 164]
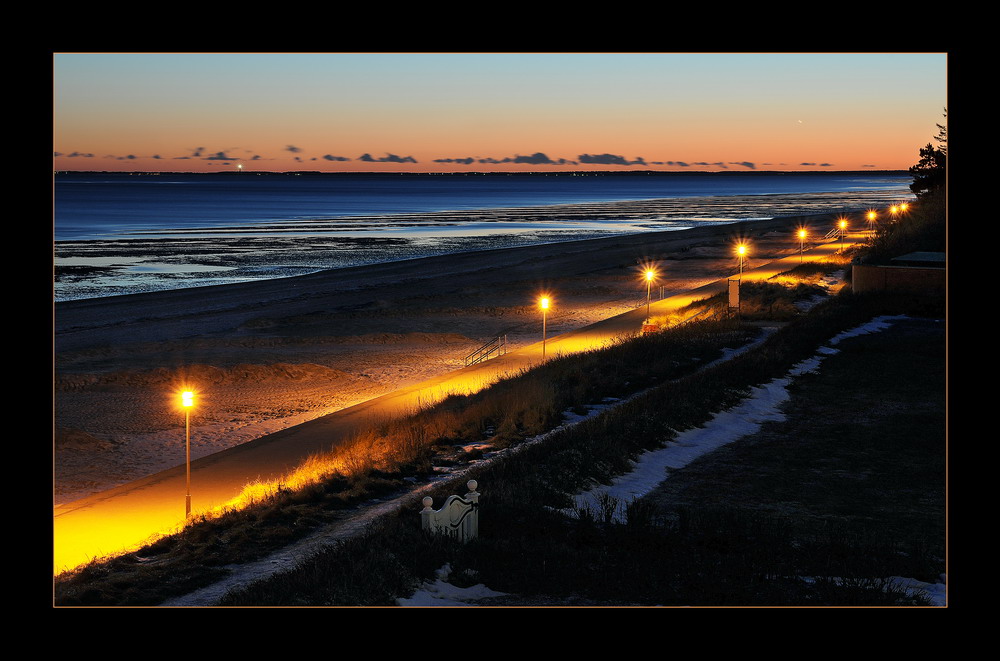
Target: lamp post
[187, 401]
[650, 274]
[871, 221]
[842, 224]
[544, 303]
[802, 241]
[741, 250]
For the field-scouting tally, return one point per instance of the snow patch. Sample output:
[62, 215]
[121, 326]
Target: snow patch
[763, 405]
[441, 593]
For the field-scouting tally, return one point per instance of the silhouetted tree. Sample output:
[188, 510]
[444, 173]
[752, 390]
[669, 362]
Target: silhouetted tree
[929, 174]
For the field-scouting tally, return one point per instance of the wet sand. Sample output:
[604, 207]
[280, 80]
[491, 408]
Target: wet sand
[271, 354]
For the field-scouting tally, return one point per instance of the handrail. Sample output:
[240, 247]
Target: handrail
[497, 344]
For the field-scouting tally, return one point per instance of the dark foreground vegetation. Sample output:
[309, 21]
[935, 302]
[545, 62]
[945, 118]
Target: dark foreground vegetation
[837, 546]
[877, 512]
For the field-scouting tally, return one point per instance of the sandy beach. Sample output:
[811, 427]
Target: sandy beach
[271, 354]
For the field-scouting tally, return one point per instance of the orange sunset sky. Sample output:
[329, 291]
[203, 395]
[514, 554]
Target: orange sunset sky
[469, 112]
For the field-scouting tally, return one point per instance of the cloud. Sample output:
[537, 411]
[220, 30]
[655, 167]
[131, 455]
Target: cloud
[464, 161]
[330, 157]
[746, 164]
[609, 159]
[293, 149]
[388, 158]
[538, 158]
[76, 154]
[221, 156]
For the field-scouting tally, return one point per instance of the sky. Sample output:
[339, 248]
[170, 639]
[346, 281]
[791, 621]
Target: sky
[474, 112]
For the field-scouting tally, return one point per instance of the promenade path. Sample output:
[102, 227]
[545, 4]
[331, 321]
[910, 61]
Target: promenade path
[123, 517]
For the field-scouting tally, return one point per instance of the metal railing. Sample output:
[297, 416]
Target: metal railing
[495, 347]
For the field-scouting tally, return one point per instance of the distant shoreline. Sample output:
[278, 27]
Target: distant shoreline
[572, 173]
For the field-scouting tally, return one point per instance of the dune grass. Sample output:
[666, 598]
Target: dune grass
[722, 553]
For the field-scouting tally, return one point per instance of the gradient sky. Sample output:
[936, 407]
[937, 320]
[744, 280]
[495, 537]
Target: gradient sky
[443, 112]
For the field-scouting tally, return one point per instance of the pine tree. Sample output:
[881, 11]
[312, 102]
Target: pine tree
[929, 174]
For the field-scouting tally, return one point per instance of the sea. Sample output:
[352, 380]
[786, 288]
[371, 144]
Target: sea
[123, 233]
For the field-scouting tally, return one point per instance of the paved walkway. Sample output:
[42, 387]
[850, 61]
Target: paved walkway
[127, 515]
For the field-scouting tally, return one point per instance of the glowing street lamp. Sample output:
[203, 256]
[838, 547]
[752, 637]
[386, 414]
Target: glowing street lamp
[871, 220]
[741, 250]
[544, 304]
[842, 224]
[648, 276]
[187, 401]
[802, 241]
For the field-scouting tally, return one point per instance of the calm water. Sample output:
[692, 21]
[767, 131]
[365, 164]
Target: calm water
[120, 233]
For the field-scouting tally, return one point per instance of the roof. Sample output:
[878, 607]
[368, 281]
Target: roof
[927, 259]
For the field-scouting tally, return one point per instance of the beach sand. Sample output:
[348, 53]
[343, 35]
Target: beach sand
[267, 355]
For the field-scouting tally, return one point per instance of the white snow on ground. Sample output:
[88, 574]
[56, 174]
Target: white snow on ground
[441, 593]
[763, 405]
[936, 593]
